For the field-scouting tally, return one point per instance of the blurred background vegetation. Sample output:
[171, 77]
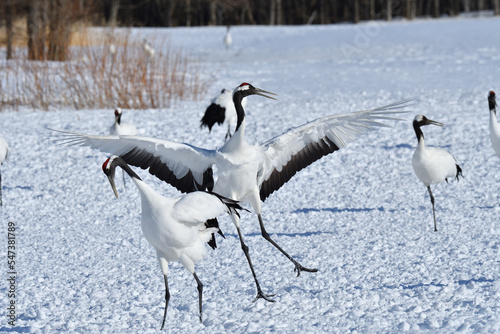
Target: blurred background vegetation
[45, 25]
[112, 69]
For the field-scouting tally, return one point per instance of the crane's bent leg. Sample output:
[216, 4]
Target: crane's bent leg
[244, 247]
[433, 208]
[167, 298]
[298, 266]
[200, 293]
[1, 204]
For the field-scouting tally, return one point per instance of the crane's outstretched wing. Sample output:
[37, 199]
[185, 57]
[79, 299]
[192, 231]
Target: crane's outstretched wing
[299, 147]
[187, 168]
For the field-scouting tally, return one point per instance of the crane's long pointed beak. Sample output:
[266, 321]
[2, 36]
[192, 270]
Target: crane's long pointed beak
[262, 92]
[112, 182]
[434, 123]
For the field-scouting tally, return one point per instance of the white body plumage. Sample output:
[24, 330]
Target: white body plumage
[120, 128]
[4, 150]
[433, 165]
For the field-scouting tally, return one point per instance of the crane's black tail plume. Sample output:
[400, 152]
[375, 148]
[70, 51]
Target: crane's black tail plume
[213, 223]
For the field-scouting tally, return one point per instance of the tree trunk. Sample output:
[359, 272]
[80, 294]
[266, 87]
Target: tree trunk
[213, 12]
[188, 13]
[356, 11]
[389, 10]
[436, 8]
[59, 30]
[248, 9]
[411, 8]
[9, 13]
[466, 6]
[480, 4]
[372, 9]
[279, 13]
[272, 13]
[36, 26]
[496, 4]
[113, 17]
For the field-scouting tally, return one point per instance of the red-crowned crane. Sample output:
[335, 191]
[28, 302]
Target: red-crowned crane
[120, 128]
[227, 38]
[246, 173]
[220, 111]
[432, 165]
[4, 154]
[175, 227]
[148, 49]
[494, 126]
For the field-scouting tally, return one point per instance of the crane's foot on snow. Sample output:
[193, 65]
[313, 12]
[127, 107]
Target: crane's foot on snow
[262, 295]
[299, 268]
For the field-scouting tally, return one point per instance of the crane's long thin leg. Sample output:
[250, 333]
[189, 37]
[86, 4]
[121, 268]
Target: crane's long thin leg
[298, 266]
[1, 203]
[200, 292]
[433, 208]
[167, 298]
[123, 175]
[260, 294]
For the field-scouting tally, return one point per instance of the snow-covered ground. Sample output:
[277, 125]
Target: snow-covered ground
[360, 215]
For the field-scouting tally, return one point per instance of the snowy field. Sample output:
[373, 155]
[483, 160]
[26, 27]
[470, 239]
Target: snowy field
[359, 215]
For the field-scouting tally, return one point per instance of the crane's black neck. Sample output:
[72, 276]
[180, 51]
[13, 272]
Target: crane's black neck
[118, 118]
[418, 131]
[240, 113]
[492, 103]
[117, 161]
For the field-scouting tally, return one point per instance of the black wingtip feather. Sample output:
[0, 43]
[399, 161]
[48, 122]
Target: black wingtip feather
[309, 154]
[186, 184]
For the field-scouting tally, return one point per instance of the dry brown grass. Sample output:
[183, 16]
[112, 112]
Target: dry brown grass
[105, 70]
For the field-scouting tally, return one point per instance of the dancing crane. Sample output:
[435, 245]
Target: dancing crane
[432, 165]
[220, 111]
[494, 126]
[4, 154]
[247, 173]
[175, 227]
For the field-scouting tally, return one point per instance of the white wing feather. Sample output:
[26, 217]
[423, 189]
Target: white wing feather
[180, 158]
[337, 129]
[198, 207]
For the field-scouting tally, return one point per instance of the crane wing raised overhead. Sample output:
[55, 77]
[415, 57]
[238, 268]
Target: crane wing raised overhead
[187, 168]
[300, 146]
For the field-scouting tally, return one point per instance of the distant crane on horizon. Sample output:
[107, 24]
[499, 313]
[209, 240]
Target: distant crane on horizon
[220, 111]
[227, 38]
[148, 49]
[494, 126]
[432, 165]
[246, 173]
[4, 154]
[175, 227]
